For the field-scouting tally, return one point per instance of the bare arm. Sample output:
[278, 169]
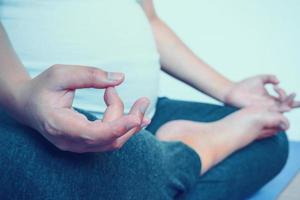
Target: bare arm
[13, 74]
[45, 103]
[179, 61]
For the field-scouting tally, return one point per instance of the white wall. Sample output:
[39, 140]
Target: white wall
[240, 38]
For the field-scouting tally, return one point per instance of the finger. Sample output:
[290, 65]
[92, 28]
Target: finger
[281, 92]
[121, 126]
[122, 140]
[69, 125]
[139, 108]
[287, 104]
[268, 133]
[289, 99]
[76, 77]
[115, 106]
[120, 132]
[296, 104]
[146, 122]
[284, 108]
[272, 79]
[284, 123]
[137, 112]
[277, 120]
[104, 134]
[74, 125]
[114, 144]
[71, 131]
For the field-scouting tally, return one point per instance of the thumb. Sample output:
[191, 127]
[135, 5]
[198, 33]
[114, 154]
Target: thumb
[277, 120]
[76, 77]
[272, 79]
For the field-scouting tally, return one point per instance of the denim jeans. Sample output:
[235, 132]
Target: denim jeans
[144, 168]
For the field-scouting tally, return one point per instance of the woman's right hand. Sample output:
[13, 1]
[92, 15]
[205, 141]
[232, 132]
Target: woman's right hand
[45, 104]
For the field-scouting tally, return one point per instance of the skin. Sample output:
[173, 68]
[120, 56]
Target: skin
[45, 102]
[216, 140]
[261, 116]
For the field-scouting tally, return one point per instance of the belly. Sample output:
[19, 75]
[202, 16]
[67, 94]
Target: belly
[110, 34]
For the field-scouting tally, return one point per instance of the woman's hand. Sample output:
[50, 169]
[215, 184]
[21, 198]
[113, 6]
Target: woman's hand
[252, 92]
[45, 104]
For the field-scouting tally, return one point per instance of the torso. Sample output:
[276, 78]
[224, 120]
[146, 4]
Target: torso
[113, 35]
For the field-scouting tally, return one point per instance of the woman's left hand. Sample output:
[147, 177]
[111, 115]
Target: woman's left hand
[252, 91]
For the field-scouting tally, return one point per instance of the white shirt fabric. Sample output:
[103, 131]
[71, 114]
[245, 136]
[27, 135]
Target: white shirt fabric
[113, 35]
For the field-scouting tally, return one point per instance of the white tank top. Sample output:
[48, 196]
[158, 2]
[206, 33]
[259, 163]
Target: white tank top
[113, 35]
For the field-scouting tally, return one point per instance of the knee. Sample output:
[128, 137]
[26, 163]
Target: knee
[141, 165]
[279, 149]
[246, 171]
[270, 156]
[260, 162]
[143, 153]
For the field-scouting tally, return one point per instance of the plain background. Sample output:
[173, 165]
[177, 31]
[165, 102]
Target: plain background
[238, 38]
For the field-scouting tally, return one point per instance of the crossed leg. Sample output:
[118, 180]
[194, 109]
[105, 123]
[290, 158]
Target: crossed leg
[242, 173]
[144, 168]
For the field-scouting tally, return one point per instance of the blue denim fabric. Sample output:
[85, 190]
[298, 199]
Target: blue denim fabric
[32, 168]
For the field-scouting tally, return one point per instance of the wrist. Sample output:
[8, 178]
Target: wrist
[227, 87]
[13, 95]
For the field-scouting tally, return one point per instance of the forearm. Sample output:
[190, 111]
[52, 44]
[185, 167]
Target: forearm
[179, 61]
[13, 74]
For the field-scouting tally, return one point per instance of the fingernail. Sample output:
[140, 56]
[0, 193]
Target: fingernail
[114, 76]
[146, 122]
